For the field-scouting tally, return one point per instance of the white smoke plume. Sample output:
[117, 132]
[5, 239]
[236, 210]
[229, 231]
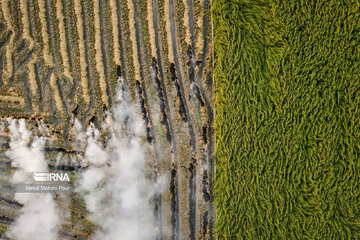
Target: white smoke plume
[117, 191]
[39, 218]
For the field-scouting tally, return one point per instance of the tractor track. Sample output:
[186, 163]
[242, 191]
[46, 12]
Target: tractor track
[179, 76]
[174, 198]
[70, 36]
[195, 69]
[103, 27]
[194, 141]
[141, 55]
[89, 52]
[124, 65]
[191, 23]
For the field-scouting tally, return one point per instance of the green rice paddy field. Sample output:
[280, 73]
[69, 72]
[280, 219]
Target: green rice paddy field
[287, 119]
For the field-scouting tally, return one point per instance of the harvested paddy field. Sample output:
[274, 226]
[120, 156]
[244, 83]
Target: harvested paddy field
[287, 119]
[62, 62]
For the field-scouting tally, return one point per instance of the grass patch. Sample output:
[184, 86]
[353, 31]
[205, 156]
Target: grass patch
[160, 131]
[287, 119]
[83, 221]
[74, 176]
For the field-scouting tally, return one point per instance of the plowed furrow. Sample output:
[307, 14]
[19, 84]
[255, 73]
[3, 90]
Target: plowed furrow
[123, 64]
[99, 61]
[115, 32]
[152, 30]
[174, 198]
[191, 22]
[163, 103]
[186, 21]
[88, 18]
[199, 45]
[174, 203]
[192, 198]
[13, 203]
[47, 56]
[63, 40]
[31, 65]
[178, 67]
[81, 43]
[9, 68]
[133, 39]
[57, 96]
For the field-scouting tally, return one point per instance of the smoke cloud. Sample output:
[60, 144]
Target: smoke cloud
[114, 184]
[39, 218]
[117, 192]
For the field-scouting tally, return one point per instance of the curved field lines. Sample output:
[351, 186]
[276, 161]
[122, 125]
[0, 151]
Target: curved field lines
[8, 70]
[63, 59]
[31, 65]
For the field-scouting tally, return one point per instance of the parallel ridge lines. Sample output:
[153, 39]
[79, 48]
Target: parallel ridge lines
[158, 208]
[31, 65]
[57, 97]
[199, 24]
[83, 63]
[152, 34]
[44, 33]
[99, 56]
[79, 45]
[169, 31]
[90, 34]
[186, 23]
[63, 41]
[154, 23]
[8, 71]
[134, 47]
[123, 60]
[115, 32]
[51, 43]
[199, 208]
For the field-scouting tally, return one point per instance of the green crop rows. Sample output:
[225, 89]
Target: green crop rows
[287, 119]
